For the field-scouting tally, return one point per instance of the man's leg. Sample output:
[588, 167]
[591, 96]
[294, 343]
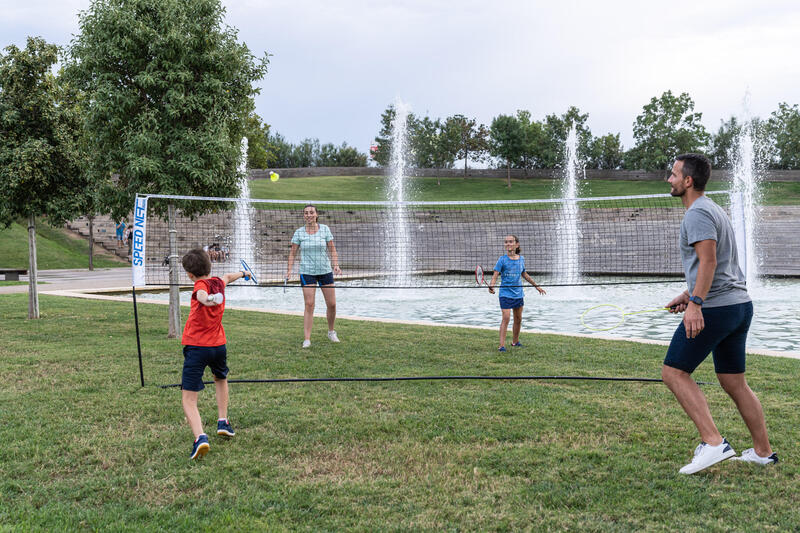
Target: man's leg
[750, 408]
[693, 401]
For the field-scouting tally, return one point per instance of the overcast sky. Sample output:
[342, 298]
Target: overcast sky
[337, 64]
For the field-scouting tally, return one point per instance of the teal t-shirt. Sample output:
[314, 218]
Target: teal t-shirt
[314, 250]
[510, 276]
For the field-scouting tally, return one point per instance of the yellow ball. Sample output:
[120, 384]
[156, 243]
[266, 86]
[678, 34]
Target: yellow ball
[274, 176]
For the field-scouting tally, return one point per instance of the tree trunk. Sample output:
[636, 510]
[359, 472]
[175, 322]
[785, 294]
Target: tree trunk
[466, 158]
[91, 243]
[33, 292]
[508, 173]
[174, 293]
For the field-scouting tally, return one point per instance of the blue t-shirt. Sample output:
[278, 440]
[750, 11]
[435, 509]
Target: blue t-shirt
[314, 250]
[510, 276]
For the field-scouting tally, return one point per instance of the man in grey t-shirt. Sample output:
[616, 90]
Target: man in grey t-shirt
[717, 314]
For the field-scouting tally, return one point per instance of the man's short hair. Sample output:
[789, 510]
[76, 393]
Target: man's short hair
[698, 167]
[197, 262]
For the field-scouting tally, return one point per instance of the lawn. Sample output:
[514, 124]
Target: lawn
[85, 447]
[55, 248]
[373, 188]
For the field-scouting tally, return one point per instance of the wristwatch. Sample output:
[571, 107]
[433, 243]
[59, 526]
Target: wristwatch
[696, 299]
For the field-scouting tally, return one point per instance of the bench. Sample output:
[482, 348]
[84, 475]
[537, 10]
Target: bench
[12, 274]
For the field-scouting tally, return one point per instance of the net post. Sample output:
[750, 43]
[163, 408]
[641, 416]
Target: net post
[174, 292]
[138, 340]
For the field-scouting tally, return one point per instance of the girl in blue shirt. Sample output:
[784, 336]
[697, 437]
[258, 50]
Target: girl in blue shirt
[510, 268]
[317, 252]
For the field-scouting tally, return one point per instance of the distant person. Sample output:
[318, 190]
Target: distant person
[120, 233]
[315, 243]
[511, 268]
[717, 314]
[129, 239]
[204, 345]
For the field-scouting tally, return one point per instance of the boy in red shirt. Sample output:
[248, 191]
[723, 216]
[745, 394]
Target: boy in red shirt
[204, 346]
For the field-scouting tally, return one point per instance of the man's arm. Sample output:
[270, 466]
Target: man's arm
[707, 257]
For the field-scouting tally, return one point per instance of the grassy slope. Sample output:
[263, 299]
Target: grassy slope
[55, 248]
[84, 447]
[373, 188]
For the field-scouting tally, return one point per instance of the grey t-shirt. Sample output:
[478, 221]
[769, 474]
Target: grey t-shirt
[705, 220]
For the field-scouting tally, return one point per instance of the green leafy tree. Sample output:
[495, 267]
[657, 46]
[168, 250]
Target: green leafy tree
[783, 128]
[668, 126]
[169, 91]
[605, 152]
[470, 138]
[349, 156]
[383, 140]
[556, 129]
[507, 141]
[40, 146]
[280, 152]
[722, 147]
[259, 151]
[536, 141]
[423, 135]
[305, 153]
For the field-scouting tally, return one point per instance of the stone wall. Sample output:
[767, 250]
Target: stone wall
[625, 175]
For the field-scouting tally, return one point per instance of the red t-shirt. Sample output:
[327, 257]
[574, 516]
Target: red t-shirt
[204, 325]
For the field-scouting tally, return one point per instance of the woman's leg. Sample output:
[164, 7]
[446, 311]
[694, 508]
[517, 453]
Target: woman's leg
[309, 297]
[517, 325]
[504, 325]
[329, 293]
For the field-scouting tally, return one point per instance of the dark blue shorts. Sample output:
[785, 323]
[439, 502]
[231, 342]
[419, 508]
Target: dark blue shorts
[322, 279]
[511, 303]
[195, 361]
[724, 334]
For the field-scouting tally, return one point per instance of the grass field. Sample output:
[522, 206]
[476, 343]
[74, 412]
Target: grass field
[373, 189]
[85, 447]
[55, 248]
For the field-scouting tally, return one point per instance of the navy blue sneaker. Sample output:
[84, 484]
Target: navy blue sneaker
[517, 345]
[501, 349]
[224, 428]
[200, 447]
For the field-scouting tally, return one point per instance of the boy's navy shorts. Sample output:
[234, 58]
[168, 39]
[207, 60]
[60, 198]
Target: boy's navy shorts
[195, 361]
[511, 303]
[322, 279]
[724, 334]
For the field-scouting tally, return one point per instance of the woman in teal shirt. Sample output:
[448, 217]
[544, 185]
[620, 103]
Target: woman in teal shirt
[315, 242]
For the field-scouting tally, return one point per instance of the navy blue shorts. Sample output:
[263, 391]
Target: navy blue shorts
[195, 361]
[322, 279]
[511, 303]
[724, 334]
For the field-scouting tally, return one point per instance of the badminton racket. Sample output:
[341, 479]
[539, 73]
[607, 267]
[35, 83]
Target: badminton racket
[605, 317]
[479, 276]
[247, 269]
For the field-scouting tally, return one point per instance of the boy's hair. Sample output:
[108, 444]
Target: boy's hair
[197, 262]
[698, 167]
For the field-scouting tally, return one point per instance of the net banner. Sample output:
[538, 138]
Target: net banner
[138, 250]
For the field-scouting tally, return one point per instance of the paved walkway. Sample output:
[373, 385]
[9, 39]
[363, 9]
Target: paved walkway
[73, 279]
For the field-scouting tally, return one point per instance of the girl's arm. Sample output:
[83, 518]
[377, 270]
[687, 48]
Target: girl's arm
[529, 279]
[292, 253]
[494, 279]
[334, 258]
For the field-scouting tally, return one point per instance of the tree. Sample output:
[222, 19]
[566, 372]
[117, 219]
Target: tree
[349, 156]
[258, 146]
[667, 127]
[169, 92]
[383, 140]
[469, 138]
[507, 141]
[40, 138]
[784, 131]
[605, 152]
[556, 129]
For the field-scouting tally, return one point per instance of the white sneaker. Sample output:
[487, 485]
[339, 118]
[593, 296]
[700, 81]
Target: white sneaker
[750, 456]
[332, 336]
[706, 455]
[306, 343]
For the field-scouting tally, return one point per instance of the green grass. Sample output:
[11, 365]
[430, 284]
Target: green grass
[373, 188]
[85, 447]
[55, 248]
